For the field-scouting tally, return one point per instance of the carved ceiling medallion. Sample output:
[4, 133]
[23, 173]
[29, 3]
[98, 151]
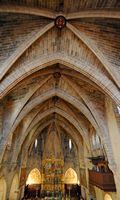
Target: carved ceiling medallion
[60, 22]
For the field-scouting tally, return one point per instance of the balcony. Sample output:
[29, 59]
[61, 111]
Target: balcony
[103, 180]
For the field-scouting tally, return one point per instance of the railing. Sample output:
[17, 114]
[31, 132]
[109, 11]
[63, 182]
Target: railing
[103, 180]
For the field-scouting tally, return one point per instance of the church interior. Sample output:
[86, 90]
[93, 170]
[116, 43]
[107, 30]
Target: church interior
[60, 99]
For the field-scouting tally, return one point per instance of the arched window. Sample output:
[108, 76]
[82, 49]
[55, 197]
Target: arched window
[70, 144]
[71, 177]
[36, 143]
[118, 109]
[107, 197]
[34, 177]
[95, 141]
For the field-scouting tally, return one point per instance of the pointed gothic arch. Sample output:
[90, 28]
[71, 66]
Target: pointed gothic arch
[70, 177]
[34, 177]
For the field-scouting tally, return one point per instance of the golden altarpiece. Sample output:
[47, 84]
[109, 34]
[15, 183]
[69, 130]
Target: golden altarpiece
[52, 175]
[52, 165]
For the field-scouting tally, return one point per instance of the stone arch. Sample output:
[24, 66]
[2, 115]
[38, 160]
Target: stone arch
[64, 125]
[107, 197]
[75, 64]
[58, 93]
[63, 95]
[70, 176]
[63, 114]
[44, 97]
[3, 188]
[66, 97]
[70, 119]
[14, 188]
[50, 14]
[94, 13]
[27, 10]
[34, 177]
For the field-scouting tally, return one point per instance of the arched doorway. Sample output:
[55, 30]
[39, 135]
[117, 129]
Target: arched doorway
[70, 177]
[14, 188]
[3, 188]
[107, 197]
[34, 177]
[72, 189]
[33, 184]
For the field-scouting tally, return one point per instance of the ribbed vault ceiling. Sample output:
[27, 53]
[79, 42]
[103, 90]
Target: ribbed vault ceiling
[48, 74]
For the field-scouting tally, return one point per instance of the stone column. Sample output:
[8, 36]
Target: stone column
[115, 142]
[99, 193]
[9, 179]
